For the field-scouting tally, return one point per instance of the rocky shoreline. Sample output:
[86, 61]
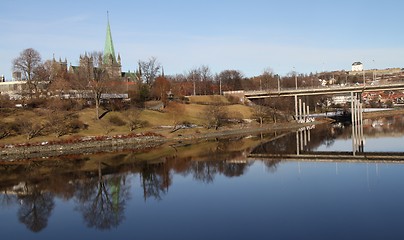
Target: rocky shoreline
[143, 141]
[133, 142]
[85, 146]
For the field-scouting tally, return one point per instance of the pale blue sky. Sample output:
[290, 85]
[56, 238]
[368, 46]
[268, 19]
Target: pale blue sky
[248, 35]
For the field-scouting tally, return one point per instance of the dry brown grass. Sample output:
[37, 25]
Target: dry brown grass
[208, 99]
[240, 110]
[192, 113]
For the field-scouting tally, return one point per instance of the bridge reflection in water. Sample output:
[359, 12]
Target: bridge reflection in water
[303, 151]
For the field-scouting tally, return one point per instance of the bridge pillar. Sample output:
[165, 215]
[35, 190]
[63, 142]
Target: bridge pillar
[300, 109]
[308, 112]
[296, 111]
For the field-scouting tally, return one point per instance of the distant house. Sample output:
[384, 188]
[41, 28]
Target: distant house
[341, 99]
[357, 67]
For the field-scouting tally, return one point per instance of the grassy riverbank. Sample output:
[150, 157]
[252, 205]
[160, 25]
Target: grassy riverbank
[112, 130]
[113, 123]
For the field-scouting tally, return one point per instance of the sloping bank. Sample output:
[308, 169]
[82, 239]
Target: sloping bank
[133, 142]
[85, 145]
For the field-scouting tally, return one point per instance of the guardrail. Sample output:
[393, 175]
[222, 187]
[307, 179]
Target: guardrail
[324, 90]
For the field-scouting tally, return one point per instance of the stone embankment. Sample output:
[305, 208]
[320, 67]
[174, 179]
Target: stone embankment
[87, 145]
[133, 142]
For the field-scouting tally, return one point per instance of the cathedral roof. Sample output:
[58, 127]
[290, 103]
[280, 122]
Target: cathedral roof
[109, 46]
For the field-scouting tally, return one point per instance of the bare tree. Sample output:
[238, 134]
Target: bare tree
[176, 113]
[5, 130]
[30, 128]
[260, 112]
[149, 70]
[133, 119]
[93, 77]
[160, 88]
[206, 79]
[268, 80]
[194, 76]
[216, 115]
[231, 80]
[27, 63]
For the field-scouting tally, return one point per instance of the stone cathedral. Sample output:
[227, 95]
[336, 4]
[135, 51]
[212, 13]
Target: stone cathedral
[110, 61]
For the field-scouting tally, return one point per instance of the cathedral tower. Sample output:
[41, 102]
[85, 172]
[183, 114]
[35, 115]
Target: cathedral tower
[109, 60]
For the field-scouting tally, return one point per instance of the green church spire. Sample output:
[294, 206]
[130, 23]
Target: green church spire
[109, 52]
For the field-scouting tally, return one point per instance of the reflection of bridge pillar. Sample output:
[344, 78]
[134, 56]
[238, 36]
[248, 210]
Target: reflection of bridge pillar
[297, 143]
[301, 140]
[357, 123]
[352, 121]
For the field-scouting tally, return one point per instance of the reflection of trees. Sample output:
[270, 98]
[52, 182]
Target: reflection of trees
[156, 179]
[384, 125]
[7, 199]
[231, 169]
[285, 144]
[102, 200]
[204, 171]
[36, 207]
[272, 165]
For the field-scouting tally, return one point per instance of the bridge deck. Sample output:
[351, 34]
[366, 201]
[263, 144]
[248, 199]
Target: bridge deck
[323, 91]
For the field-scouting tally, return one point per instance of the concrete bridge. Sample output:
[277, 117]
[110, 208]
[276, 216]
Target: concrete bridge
[323, 90]
[302, 111]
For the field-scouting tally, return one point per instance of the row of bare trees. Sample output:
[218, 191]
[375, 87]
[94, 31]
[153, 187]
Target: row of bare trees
[93, 78]
[93, 75]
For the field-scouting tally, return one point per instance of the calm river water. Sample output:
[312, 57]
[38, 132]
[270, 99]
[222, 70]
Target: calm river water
[214, 190]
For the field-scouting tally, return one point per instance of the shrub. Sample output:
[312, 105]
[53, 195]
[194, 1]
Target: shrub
[77, 125]
[117, 121]
[215, 115]
[136, 124]
[36, 103]
[62, 122]
[58, 104]
[30, 128]
[233, 99]
[5, 130]
[5, 101]
[116, 105]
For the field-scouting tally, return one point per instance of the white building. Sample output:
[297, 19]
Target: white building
[341, 99]
[357, 67]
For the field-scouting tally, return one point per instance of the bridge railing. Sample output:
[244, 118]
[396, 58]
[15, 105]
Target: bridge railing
[346, 87]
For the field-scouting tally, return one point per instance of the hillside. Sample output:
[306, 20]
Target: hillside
[113, 123]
